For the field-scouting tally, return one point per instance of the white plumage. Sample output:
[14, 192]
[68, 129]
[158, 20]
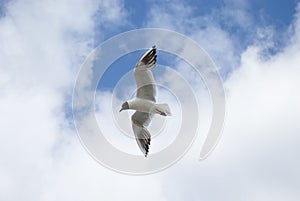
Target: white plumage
[145, 102]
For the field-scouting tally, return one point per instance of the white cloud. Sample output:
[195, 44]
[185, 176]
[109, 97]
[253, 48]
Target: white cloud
[42, 44]
[204, 29]
[257, 156]
[111, 13]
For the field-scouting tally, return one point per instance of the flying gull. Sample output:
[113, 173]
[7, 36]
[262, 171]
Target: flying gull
[145, 103]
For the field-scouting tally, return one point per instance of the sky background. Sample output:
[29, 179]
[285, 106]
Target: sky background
[256, 47]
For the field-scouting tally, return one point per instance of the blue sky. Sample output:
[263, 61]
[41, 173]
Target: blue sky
[277, 15]
[263, 13]
[256, 46]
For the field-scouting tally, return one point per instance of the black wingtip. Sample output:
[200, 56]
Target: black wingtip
[154, 47]
[147, 149]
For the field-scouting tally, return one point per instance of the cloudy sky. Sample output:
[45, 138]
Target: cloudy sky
[256, 47]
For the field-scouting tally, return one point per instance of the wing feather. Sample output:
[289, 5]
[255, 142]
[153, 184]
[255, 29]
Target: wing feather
[143, 76]
[139, 122]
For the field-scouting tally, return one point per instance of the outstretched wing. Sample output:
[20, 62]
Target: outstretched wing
[139, 122]
[143, 76]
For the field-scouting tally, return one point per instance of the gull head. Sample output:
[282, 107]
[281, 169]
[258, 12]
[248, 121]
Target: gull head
[125, 106]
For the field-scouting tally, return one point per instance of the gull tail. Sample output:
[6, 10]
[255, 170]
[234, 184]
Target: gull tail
[162, 109]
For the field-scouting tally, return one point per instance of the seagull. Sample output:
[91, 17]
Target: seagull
[144, 103]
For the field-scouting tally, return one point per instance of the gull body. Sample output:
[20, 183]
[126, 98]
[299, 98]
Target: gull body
[145, 102]
[144, 105]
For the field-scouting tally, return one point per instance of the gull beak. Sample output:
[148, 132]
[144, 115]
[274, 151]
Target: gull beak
[121, 110]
